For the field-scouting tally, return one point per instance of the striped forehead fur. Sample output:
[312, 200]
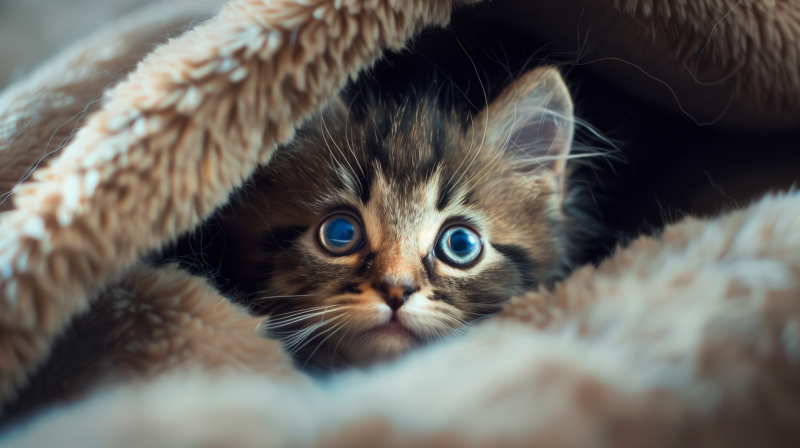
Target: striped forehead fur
[410, 145]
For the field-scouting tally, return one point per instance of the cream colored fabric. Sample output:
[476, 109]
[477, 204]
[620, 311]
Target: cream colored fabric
[691, 340]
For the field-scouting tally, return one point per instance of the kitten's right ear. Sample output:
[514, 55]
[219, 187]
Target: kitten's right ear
[531, 122]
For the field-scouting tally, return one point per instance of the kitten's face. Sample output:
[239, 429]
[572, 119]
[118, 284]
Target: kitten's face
[377, 231]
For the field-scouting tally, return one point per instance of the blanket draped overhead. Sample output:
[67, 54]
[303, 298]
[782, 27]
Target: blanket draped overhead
[166, 146]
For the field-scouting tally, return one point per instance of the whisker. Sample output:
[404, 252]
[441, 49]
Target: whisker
[335, 349]
[300, 343]
[485, 128]
[293, 320]
[346, 140]
[305, 310]
[289, 296]
[336, 329]
[350, 171]
[274, 328]
[296, 337]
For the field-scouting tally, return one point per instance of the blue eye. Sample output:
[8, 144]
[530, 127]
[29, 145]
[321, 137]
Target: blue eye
[341, 235]
[459, 246]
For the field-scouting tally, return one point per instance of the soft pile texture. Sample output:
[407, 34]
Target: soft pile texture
[691, 339]
[717, 61]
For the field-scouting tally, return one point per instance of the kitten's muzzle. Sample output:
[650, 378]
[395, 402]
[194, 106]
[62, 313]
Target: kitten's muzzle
[394, 293]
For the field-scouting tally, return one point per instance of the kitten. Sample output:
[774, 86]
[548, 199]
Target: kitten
[384, 227]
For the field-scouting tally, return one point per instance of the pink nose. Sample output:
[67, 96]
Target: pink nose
[395, 294]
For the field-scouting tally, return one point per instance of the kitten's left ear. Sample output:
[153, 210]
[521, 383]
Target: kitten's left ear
[532, 123]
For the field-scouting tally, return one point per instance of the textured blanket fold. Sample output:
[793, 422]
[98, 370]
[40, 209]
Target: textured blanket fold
[690, 339]
[171, 141]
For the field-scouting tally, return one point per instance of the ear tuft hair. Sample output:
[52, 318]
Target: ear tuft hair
[532, 123]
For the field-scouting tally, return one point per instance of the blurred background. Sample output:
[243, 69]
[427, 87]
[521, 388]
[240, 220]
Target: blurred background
[34, 30]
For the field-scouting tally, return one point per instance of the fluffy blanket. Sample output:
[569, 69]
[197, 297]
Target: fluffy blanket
[688, 339]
